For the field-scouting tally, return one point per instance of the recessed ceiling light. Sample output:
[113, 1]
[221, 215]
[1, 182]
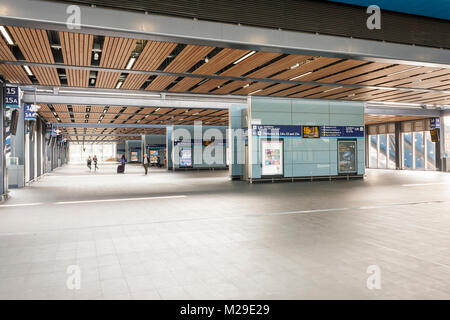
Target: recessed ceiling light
[119, 84]
[332, 89]
[295, 66]
[28, 70]
[247, 85]
[244, 57]
[130, 63]
[255, 91]
[6, 35]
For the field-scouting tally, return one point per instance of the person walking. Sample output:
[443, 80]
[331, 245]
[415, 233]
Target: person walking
[146, 163]
[95, 162]
[89, 162]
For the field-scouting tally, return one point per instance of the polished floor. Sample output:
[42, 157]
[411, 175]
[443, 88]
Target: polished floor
[198, 235]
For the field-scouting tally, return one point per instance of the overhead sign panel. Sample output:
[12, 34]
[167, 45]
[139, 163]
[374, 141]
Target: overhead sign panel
[342, 132]
[277, 130]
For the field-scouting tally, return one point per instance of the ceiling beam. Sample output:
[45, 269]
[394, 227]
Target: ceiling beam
[103, 134]
[226, 78]
[113, 22]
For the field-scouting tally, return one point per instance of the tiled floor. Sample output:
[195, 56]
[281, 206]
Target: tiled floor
[197, 235]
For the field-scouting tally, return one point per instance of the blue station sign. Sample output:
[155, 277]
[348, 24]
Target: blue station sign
[30, 112]
[277, 130]
[342, 131]
[11, 97]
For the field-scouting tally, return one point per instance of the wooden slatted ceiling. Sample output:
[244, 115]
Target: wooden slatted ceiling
[116, 53]
[78, 108]
[315, 76]
[76, 50]
[282, 64]
[185, 60]
[217, 63]
[238, 69]
[35, 47]
[289, 74]
[153, 55]
[14, 74]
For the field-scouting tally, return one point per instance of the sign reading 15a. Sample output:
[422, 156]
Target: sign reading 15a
[11, 97]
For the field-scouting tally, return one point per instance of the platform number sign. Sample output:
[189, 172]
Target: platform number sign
[11, 94]
[30, 112]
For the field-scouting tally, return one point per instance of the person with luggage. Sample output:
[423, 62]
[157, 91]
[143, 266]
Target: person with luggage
[121, 167]
[95, 162]
[146, 163]
[89, 162]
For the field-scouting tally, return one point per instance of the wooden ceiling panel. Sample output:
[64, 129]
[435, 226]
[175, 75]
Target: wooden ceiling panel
[215, 64]
[14, 74]
[184, 61]
[232, 86]
[238, 69]
[78, 108]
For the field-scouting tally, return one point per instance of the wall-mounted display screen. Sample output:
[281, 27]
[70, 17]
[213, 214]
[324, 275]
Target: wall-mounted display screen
[347, 156]
[272, 157]
[311, 132]
[185, 157]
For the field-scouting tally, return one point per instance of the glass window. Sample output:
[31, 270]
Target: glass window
[373, 152]
[431, 152]
[420, 150]
[407, 150]
[382, 151]
[391, 151]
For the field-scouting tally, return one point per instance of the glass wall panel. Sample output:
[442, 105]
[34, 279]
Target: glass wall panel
[420, 150]
[391, 151]
[373, 152]
[431, 152]
[382, 151]
[104, 152]
[407, 150]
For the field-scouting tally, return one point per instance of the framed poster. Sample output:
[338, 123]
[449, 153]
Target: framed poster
[154, 156]
[347, 157]
[272, 157]
[185, 157]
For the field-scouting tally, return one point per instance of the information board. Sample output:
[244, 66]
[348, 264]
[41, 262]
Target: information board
[277, 130]
[342, 131]
[310, 132]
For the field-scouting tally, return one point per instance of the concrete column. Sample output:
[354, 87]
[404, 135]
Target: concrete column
[169, 147]
[398, 147]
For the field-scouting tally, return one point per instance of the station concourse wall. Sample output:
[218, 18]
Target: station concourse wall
[305, 157]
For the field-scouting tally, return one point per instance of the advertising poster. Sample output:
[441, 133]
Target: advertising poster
[272, 158]
[185, 157]
[347, 156]
[134, 156]
[153, 156]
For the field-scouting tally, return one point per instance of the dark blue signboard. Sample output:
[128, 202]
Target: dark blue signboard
[342, 132]
[30, 112]
[277, 130]
[11, 94]
[435, 123]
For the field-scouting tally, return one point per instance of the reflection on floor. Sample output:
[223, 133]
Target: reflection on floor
[198, 235]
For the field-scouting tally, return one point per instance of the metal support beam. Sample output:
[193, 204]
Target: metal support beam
[107, 125]
[396, 111]
[102, 135]
[100, 21]
[219, 77]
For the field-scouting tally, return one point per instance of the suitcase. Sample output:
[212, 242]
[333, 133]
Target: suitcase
[120, 168]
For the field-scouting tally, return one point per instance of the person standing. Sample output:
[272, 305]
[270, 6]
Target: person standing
[89, 162]
[146, 162]
[95, 162]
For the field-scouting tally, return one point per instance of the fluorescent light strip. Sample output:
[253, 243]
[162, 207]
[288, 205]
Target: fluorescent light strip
[119, 84]
[398, 72]
[244, 57]
[28, 70]
[302, 75]
[256, 91]
[130, 63]
[332, 89]
[6, 35]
